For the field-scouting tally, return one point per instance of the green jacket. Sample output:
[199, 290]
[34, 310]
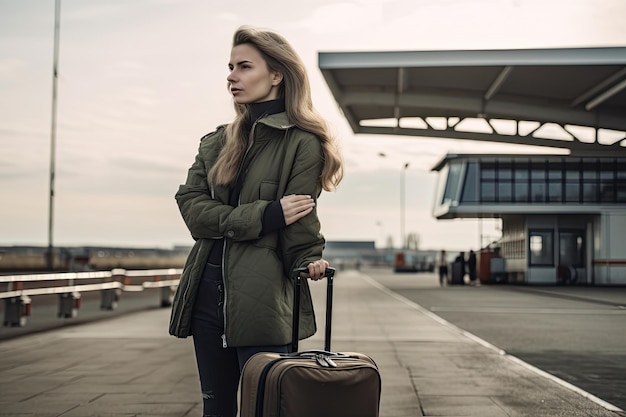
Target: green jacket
[283, 160]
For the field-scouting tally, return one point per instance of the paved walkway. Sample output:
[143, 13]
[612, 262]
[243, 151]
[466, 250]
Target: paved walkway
[129, 366]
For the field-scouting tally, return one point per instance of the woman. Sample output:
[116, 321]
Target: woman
[249, 202]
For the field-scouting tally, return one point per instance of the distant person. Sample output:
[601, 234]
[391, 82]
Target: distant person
[471, 267]
[443, 268]
[250, 204]
[462, 268]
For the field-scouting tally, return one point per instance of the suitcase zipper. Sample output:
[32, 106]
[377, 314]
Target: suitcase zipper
[324, 361]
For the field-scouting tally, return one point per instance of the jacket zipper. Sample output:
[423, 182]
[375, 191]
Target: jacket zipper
[250, 137]
[183, 303]
[224, 344]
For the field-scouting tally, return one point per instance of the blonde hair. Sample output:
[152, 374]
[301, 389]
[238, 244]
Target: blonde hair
[279, 56]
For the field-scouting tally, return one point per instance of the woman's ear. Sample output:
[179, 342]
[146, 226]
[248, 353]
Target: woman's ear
[277, 78]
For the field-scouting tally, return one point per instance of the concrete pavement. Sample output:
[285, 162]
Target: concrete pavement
[129, 366]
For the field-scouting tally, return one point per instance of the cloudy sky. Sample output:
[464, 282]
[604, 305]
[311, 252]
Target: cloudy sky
[141, 81]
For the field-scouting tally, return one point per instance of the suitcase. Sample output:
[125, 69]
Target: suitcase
[456, 278]
[312, 383]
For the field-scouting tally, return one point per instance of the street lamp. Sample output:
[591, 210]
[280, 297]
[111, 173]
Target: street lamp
[53, 128]
[381, 234]
[402, 204]
[402, 201]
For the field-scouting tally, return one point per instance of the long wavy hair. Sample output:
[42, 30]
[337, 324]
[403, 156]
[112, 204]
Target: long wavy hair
[279, 56]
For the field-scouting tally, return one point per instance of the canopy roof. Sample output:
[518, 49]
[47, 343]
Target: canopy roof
[566, 98]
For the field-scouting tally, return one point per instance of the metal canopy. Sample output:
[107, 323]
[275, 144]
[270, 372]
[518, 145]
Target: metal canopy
[564, 98]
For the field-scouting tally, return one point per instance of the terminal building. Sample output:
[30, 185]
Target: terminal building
[563, 213]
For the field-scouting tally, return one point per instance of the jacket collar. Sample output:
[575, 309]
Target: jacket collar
[277, 121]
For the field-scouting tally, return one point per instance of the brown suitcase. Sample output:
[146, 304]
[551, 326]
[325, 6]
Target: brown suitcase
[312, 383]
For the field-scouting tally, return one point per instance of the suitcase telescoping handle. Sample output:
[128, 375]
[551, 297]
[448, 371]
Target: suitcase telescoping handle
[329, 274]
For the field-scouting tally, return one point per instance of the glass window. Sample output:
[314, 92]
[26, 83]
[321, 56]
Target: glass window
[538, 171]
[589, 170]
[442, 178]
[452, 184]
[541, 248]
[555, 192]
[572, 192]
[505, 194]
[552, 179]
[572, 174]
[620, 186]
[505, 172]
[607, 192]
[606, 171]
[470, 186]
[521, 172]
[538, 192]
[590, 192]
[607, 181]
[555, 171]
[521, 192]
[487, 171]
[487, 191]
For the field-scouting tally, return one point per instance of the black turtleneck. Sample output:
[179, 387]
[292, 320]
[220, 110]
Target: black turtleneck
[273, 217]
[265, 108]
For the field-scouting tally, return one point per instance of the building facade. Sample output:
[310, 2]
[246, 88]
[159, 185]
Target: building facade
[563, 217]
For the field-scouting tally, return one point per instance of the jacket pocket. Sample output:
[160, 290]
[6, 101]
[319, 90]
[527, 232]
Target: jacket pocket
[269, 241]
[268, 190]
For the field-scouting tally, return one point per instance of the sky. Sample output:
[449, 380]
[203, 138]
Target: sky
[140, 83]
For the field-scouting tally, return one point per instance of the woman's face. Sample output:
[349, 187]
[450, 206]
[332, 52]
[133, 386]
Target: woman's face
[250, 81]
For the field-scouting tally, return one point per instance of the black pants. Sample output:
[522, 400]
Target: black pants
[443, 274]
[219, 368]
[472, 274]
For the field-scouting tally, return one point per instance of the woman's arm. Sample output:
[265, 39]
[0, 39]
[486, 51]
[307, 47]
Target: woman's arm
[302, 242]
[208, 218]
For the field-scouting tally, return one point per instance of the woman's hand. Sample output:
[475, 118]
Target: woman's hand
[317, 269]
[296, 206]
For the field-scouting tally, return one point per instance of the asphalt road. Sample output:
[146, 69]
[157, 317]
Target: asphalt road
[575, 333]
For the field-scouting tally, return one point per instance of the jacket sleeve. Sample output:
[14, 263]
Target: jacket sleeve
[208, 218]
[302, 241]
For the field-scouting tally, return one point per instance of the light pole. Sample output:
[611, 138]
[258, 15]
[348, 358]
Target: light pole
[53, 128]
[402, 204]
[381, 234]
[402, 201]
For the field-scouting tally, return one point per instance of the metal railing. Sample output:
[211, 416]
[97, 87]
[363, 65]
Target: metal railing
[19, 288]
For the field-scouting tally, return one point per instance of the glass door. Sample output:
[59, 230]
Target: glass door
[571, 256]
